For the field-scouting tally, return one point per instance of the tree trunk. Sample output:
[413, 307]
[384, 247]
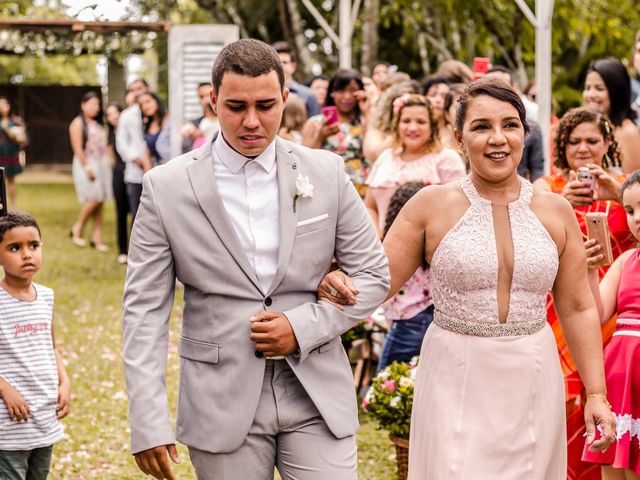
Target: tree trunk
[305, 61]
[237, 19]
[369, 35]
[423, 49]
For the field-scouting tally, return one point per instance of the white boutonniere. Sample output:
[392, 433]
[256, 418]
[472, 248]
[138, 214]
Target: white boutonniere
[304, 189]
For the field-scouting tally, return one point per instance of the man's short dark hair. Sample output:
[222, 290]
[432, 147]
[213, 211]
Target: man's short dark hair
[204, 84]
[138, 80]
[285, 47]
[249, 57]
[16, 219]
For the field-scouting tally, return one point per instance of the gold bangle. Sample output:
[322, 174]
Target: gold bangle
[601, 396]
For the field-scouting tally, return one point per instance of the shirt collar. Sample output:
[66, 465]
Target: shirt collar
[235, 161]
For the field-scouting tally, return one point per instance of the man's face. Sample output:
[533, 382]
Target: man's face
[379, 74]
[249, 110]
[288, 65]
[138, 88]
[204, 94]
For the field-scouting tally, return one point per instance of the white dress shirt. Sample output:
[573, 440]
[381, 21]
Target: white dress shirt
[130, 142]
[249, 192]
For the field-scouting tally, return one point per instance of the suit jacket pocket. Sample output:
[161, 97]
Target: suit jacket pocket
[199, 351]
[313, 224]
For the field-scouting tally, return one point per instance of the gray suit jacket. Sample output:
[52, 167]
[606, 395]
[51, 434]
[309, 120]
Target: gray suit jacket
[182, 230]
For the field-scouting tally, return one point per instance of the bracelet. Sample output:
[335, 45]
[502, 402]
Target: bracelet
[601, 396]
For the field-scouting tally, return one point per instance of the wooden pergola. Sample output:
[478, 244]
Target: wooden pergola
[69, 36]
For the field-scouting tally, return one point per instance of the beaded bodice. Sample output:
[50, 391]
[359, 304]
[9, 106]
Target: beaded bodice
[464, 267]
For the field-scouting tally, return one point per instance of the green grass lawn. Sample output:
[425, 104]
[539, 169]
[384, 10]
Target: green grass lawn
[88, 287]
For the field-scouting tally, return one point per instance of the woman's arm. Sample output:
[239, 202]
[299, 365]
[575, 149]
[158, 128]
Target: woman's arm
[75, 135]
[374, 143]
[605, 292]
[579, 319]
[628, 137]
[372, 208]
[404, 243]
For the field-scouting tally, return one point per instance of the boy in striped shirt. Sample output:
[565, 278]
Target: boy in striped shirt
[34, 385]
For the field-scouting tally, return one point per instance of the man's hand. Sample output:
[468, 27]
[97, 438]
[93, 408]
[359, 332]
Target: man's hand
[154, 461]
[64, 399]
[272, 333]
[17, 407]
[338, 289]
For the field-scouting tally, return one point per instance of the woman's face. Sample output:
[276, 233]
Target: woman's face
[595, 94]
[320, 86]
[148, 105]
[345, 99]
[631, 203]
[492, 137]
[414, 128]
[113, 115]
[91, 108]
[436, 96]
[5, 108]
[586, 144]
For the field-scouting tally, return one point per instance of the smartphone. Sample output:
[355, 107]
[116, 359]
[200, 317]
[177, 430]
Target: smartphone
[598, 228]
[481, 66]
[330, 115]
[3, 193]
[584, 175]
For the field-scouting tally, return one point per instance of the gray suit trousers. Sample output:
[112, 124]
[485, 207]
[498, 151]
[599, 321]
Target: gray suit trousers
[287, 433]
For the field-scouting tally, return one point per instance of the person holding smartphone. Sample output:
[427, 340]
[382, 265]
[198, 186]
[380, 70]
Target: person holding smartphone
[585, 139]
[340, 127]
[618, 293]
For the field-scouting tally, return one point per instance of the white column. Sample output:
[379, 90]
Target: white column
[544, 15]
[345, 30]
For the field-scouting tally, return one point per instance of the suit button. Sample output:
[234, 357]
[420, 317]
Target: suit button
[268, 301]
[259, 354]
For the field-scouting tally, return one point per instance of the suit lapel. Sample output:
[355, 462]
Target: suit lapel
[288, 170]
[204, 187]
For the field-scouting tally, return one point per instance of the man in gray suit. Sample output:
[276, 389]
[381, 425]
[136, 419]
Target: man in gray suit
[249, 223]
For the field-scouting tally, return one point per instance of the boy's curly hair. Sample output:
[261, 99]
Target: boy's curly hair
[570, 121]
[17, 219]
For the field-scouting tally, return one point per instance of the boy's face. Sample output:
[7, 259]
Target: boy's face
[21, 252]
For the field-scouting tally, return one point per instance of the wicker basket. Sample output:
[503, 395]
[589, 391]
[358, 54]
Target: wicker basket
[402, 456]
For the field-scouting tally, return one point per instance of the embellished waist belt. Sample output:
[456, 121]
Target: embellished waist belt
[483, 329]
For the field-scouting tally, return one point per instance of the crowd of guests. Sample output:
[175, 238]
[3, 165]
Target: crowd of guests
[397, 135]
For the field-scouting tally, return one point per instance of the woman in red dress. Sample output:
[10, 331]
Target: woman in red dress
[585, 139]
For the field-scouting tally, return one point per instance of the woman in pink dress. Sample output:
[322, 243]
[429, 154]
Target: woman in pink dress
[489, 398]
[619, 292]
[416, 156]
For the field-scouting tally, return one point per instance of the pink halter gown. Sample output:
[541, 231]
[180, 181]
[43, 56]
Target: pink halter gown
[489, 399]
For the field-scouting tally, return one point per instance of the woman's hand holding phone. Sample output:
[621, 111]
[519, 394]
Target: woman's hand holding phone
[607, 188]
[577, 192]
[594, 253]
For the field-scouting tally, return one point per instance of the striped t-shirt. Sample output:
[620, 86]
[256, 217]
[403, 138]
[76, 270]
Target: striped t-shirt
[28, 364]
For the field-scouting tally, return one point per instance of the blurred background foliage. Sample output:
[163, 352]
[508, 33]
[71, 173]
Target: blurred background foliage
[415, 35]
